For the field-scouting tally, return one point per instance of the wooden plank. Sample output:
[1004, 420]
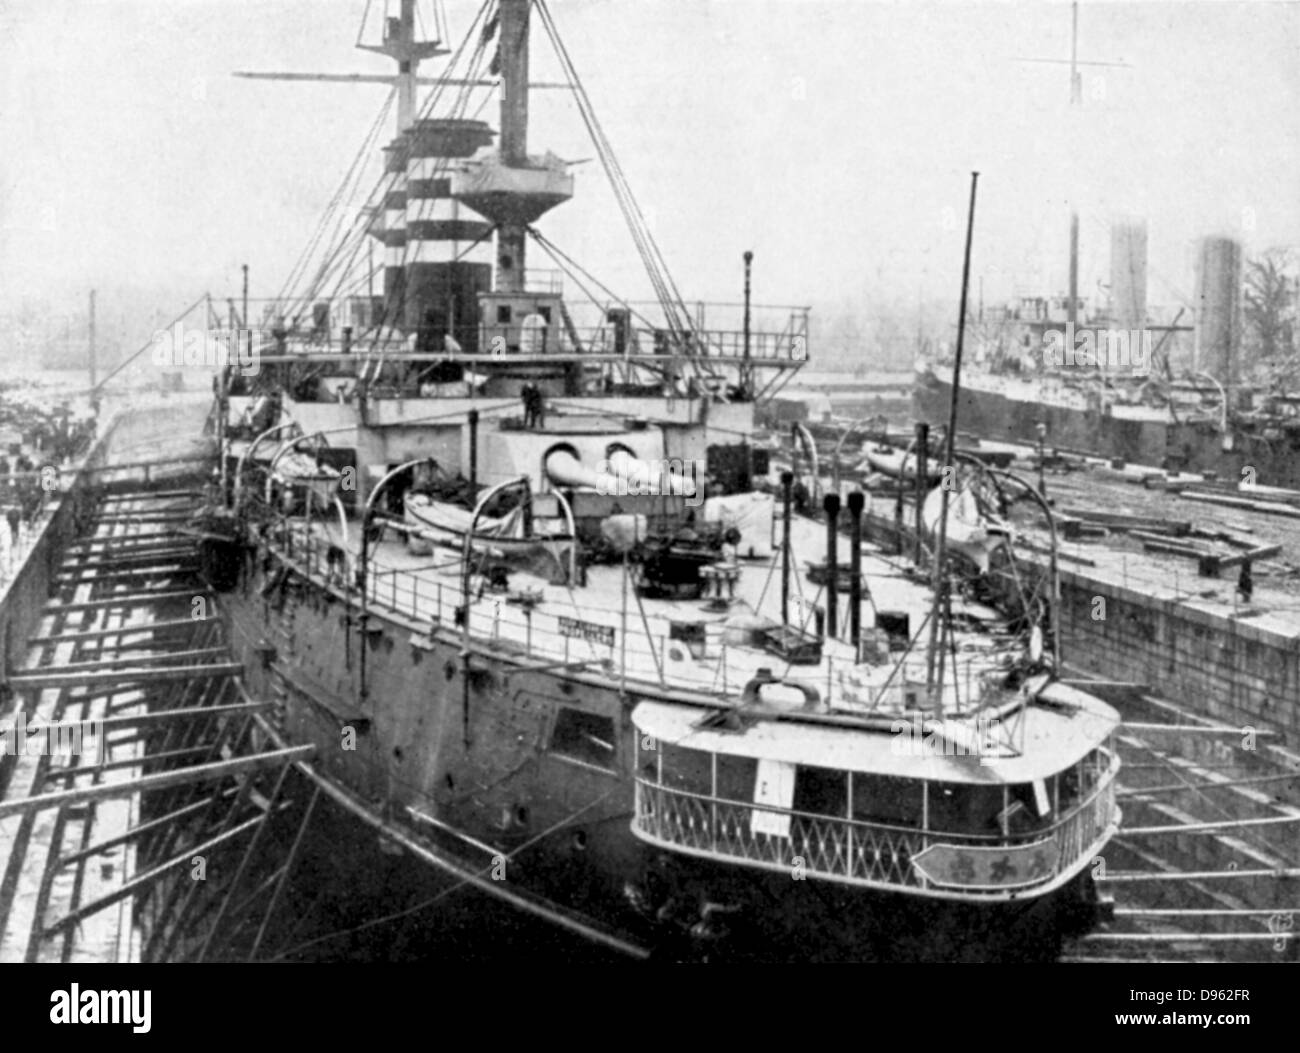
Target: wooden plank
[137, 831]
[1242, 504]
[140, 881]
[1157, 543]
[134, 720]
[178, 568]
[158, 495]
[129, 599]
[1213, 563]
[123, 677]
[156, 781]
[121, 630]
[117, 663]
[1125, 521]
[135, 556]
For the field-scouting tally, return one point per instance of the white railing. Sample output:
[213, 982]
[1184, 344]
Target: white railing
[854, 850]
[638, 648]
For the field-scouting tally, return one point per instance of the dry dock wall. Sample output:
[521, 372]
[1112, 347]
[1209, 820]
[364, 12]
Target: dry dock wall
[1229, 669]
[1223, 667]
[24, 595]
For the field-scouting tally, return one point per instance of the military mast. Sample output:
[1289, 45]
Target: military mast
[1076, 101]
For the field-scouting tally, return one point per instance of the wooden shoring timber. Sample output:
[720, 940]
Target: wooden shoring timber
[134, 832]
[128, 544]
[1159, 543]
[268, 882]
[272, 806]
[123, 546]
[125, 676]
[1132, 876]
[1267, 507]
[284, 875]
[112, 542]
[1211, 565]
[143, 517]
[151, 875]
[141, 629]
[144, 558]
[1198, 729]
[1202, 912]
[193, 774]
[137, 488]
[135, 720]
[145, 598]
[1145, 793]
[174, 569]
[229, 737]
[1181, 937]
[159, 495]
[73, 771]
[1127, 521]
[1215, 824]
[192, 458]
[139, 659]
[181, 915]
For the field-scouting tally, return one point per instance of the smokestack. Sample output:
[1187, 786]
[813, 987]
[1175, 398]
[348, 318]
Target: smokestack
[1218, 306]
[1128, 273]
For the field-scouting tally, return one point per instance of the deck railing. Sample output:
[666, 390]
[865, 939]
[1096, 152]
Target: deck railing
[851, 850]
[638, 648]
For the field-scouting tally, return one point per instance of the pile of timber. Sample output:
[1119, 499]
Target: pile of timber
[1213, 550]
[1075, 523]
[1268, 500]
[1210, 561]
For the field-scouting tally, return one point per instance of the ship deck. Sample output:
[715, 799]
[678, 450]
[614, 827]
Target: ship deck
[605, 624]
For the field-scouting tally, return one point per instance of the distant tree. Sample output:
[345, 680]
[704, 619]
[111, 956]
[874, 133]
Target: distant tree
[1269, 312]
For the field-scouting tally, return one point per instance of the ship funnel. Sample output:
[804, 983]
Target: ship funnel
[1218, 304]
[1128, 273]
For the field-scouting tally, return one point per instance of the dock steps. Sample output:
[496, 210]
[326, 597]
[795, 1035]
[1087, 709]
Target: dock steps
[1206, 866]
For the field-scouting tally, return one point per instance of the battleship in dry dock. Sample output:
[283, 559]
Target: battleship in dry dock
[506, 558]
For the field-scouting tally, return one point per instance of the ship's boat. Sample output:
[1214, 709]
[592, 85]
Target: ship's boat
[689, 727]
[898, 464]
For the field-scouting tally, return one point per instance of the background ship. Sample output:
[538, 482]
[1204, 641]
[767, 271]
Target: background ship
[1204, 417]
[1147, 394]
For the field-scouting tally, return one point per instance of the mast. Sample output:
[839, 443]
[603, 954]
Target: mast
[90, 340]
[933, 677]
[400, 44]
[1076, 99]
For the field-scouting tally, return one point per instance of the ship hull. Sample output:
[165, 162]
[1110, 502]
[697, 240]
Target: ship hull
[1196, 446]
[449, 754]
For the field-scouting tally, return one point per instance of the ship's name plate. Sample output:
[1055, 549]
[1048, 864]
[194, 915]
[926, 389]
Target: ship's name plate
[966, 866]
[576, 627]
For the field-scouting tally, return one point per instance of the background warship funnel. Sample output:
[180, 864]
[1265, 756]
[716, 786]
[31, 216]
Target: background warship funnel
[512, 563]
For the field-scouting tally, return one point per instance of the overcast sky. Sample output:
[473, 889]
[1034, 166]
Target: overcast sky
[833, 137]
